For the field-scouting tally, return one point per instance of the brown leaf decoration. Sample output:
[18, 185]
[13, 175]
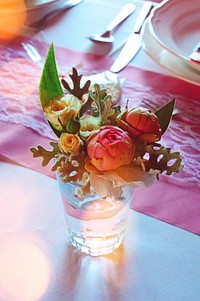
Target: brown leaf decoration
[76, 80]
[161, 158]
[86, 106]
[61, 158]
[164, 114]
[72, 169]
[45, 154]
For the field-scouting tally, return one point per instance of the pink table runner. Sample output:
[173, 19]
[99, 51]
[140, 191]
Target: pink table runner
[173, 199]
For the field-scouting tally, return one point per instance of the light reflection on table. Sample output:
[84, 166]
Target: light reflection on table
[38, 263]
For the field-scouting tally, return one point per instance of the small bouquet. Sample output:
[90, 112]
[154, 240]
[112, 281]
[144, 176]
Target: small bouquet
[102, 145]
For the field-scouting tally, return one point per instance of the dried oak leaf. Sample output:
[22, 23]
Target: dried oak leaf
[161, 158]
[77, 90]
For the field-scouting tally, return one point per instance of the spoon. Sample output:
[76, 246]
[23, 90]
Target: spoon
[107, 36]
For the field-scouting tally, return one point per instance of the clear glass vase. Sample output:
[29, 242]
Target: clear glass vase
[96, 225]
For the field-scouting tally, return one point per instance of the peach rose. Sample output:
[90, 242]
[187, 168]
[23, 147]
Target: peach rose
[110, 147]
[69, 143]
[141, 123]
[61, 109]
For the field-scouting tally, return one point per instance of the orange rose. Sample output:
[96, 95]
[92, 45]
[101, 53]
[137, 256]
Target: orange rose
[69, 143]
[110, 147]
[141, 123]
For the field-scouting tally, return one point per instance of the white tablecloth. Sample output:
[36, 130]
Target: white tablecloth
[156, 262]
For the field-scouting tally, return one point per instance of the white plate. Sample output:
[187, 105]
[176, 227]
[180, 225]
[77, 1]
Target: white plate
[38, 4]
[176, 26]
[167, 59]
[33, 3]
[38, 9]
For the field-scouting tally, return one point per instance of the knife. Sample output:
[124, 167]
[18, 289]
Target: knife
[195, 55]
[133, 42]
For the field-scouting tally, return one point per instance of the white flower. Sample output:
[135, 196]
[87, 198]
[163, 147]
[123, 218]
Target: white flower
[88, 125]
[61, 109]
[111, 183]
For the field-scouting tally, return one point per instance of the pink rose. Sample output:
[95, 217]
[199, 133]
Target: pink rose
[110, 147]
[141, 123]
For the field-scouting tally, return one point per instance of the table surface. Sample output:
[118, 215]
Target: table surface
[156, 262]
[86, 20]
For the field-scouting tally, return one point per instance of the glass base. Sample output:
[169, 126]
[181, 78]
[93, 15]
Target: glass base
[96, 245]
[97, 232]
[96, 225]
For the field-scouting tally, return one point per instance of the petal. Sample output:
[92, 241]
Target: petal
[104, 187]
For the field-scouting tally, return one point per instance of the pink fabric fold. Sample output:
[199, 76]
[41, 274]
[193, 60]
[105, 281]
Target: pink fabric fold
[16, 141]
[171, 203]
[173, 199]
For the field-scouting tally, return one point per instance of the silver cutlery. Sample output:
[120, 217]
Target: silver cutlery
[51, 14]
[32, 27]
[32, 53]
[108, 76]
[133, 44]
[195, 55]
[107, 36]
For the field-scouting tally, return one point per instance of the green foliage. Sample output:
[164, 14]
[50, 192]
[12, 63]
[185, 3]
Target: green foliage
[104, 104]
[49, 84]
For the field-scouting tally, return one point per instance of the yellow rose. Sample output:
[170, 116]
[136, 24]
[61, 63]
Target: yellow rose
[88, 124]
[61, 109]
[69, 143]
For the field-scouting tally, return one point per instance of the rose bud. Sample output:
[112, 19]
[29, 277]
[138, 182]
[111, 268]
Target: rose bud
[141, 123]
[110, 147]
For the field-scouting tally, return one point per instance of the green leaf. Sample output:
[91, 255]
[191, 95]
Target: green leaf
[164, 114]
[49, 84]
